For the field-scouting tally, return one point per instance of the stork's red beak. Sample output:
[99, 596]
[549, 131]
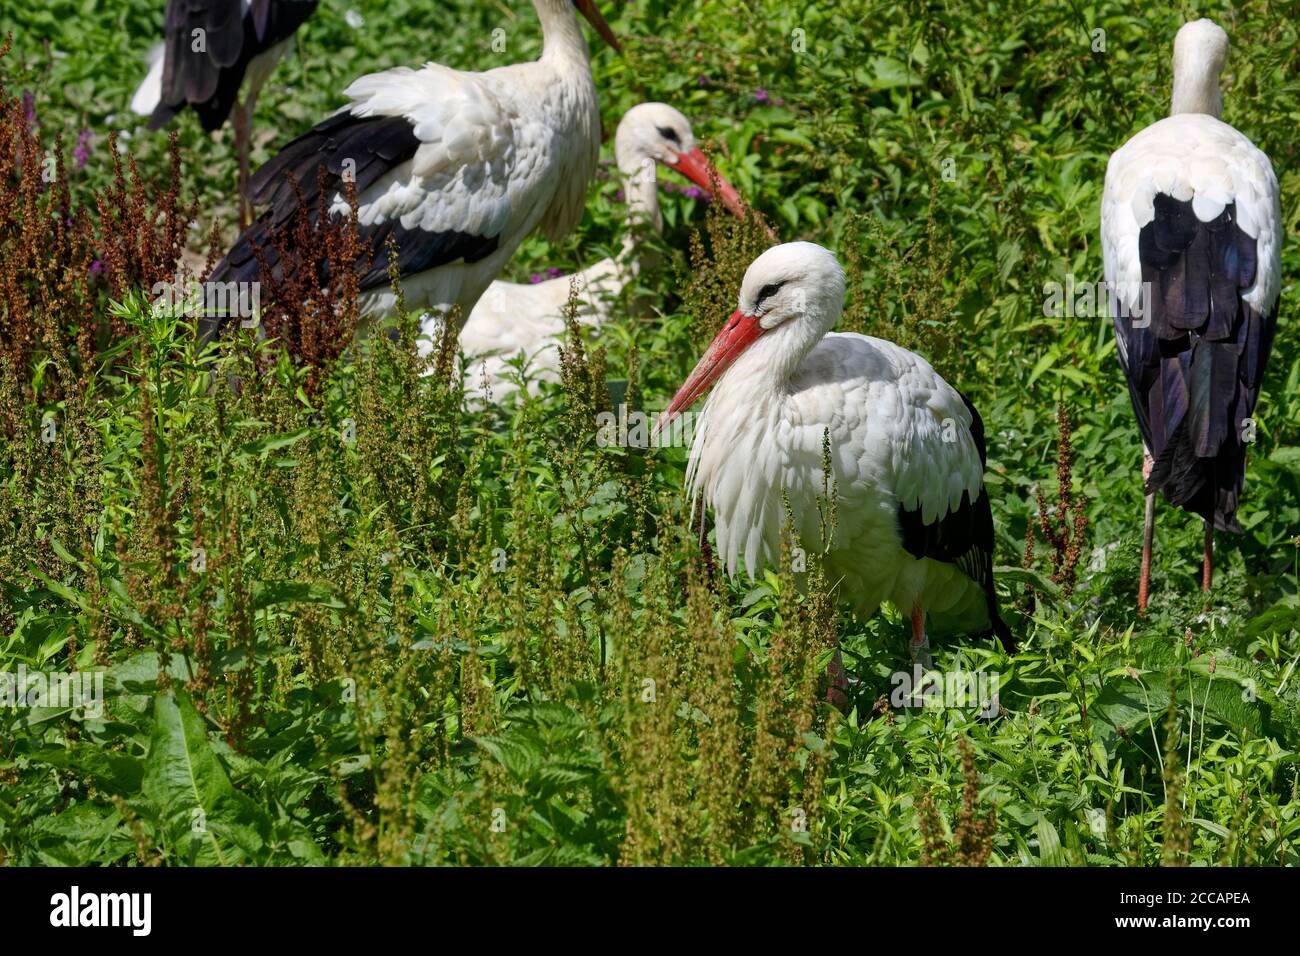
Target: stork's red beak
[738, 334]
[695, 166]
[589, 10]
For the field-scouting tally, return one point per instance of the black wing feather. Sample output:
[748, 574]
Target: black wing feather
[261, 11]
[375, 145]
[963, 537]
[1194, 365]
[207, 80]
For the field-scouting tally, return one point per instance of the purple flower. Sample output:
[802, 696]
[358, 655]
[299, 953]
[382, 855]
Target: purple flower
[618, 196]
[702, 81]
[760, 96]
[554, 273]
[81, 153]
[97, 268]
[535, 278]
[693, 192]
[29, 106]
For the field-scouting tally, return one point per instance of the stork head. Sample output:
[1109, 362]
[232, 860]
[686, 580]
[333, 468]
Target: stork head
[790, 297]
[656, 133]
[1200, 50]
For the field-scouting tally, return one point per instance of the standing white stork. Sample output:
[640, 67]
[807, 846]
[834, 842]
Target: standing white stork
[914, 525]
[457, 168]
[515, 317]
[216, 56]
[1191, 217]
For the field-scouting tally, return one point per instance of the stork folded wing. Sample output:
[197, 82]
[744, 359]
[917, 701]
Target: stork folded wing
[208, 78]
[366, 150]
[961, 535]
[1193, 364]
[431, 154]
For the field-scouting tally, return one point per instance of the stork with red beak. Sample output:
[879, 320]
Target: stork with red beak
[907, 456]
[514, 318]
[455, 168]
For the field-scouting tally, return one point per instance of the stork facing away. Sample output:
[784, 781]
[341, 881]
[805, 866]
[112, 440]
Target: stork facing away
[456, 168]
[1191, 224]
[514, 317]
[215, 57]
[914, 525]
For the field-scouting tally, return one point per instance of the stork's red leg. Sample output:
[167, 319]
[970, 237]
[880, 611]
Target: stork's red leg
[1207, 564]
[920, 646]
[1148, 535]
[837, 693]
[243, 124]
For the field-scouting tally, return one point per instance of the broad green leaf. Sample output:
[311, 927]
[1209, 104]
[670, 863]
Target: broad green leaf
[269, 593]
[202, 818]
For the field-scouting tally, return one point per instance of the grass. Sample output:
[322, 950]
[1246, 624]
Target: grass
[344, 618]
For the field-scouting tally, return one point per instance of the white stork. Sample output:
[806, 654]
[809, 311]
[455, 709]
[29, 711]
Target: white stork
[515, 317]
[914, 525]
[457, 168]
[1191, 225]
[216, 56]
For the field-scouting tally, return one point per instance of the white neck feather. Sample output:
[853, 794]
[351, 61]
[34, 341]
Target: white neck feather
[732, 444]
[641, 187]
[641, 192]
[1199, 51]
[561, 34]
[729, 469]
[1197, 93]
[773, 360]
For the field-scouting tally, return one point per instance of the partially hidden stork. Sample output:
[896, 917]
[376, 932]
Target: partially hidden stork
[216, 57]
[914, 525]
[455, 167]
[1191, 228]
[514, 317]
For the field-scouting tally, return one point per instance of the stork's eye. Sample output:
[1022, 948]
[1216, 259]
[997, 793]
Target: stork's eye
[668, 134]
[771, 289]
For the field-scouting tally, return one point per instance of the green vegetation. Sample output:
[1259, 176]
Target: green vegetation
[343, 618]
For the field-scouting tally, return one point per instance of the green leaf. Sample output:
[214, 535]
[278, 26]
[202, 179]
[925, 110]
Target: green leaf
[518, 753]
[271, 443]
[138, 674]
[64, 554]
[1049, 843]
[269, 593]
[202, 818]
